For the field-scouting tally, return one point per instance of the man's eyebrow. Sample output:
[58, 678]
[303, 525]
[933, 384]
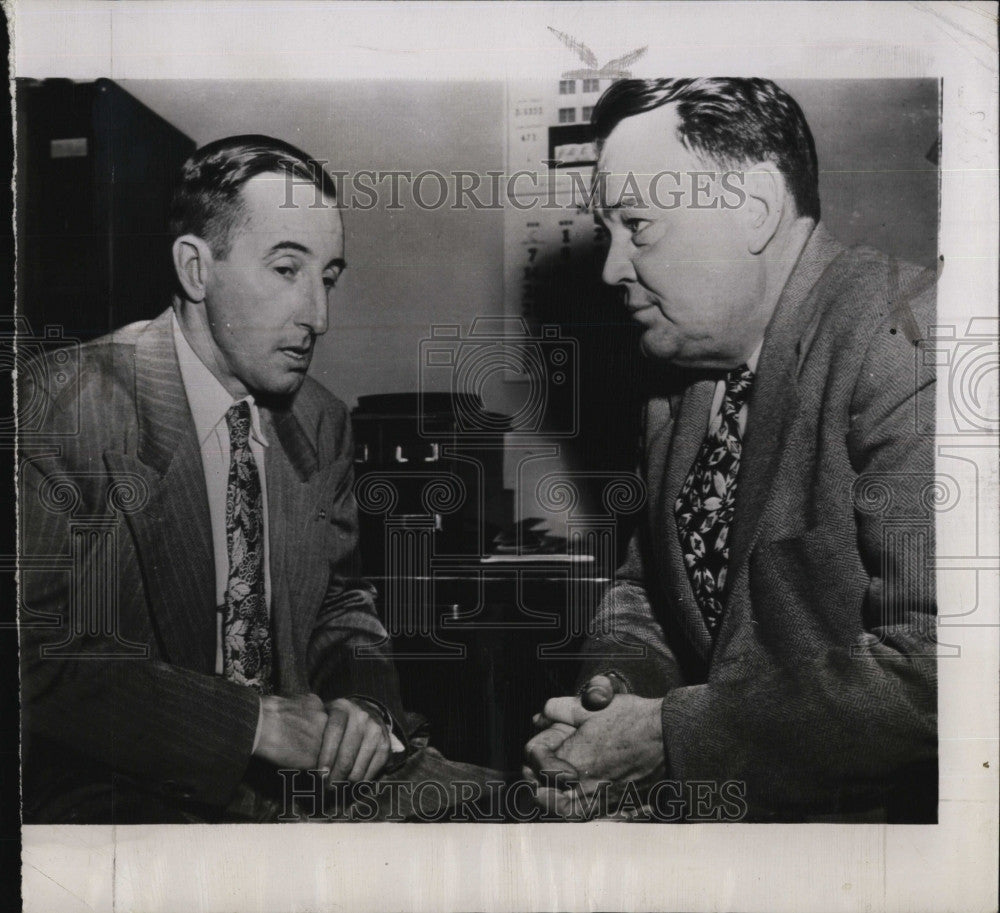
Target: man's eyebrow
[289, 245]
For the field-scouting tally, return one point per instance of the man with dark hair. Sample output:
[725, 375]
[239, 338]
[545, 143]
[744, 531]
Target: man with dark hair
[728, 122]
[208, 200]
[769, 638]
[232, 637]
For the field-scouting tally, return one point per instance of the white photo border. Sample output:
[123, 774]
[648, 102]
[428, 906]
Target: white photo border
[601, 865]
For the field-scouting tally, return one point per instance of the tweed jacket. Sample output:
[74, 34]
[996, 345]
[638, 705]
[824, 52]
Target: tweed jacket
[118, 613]
[819, 693]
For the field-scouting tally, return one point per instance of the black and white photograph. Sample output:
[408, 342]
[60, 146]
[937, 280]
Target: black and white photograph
[504, 456]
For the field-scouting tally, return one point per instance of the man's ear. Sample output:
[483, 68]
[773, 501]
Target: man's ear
[192, 262]
[767, 199]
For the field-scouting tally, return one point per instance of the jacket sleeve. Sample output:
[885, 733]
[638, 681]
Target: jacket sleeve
[627, 640]
[839, 723]
[174, 731]
[349, 652]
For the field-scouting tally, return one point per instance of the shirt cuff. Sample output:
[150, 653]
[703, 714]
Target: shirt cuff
[260, 722]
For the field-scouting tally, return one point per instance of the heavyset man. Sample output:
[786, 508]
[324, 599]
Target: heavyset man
[772, 624]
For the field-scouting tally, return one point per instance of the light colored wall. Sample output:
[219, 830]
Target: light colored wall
[406, 269]
[877, 185]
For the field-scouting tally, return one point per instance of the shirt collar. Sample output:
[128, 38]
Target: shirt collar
[208, 399]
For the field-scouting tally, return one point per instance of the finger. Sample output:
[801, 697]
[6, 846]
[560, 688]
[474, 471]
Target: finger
[350, 743]
[558, 802]
[549, 769]
[557, 774]
[317, 731]
[549, 739]
[599, 693]
[553, 736]
[313, 702]
[552, 779]
[567, 710]
[370, 742]
[577, 802]
[378, 761]
[336, 723]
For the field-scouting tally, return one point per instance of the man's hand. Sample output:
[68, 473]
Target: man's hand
[291, 730]
[543, 766]
[621, 743]
[355, 744]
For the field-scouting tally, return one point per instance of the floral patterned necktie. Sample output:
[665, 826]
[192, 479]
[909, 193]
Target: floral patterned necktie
[246, 642]
[706, 504]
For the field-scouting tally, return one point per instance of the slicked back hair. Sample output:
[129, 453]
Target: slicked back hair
[729, 121]
[208, 203]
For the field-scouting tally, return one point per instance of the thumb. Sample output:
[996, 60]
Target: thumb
[599, 692]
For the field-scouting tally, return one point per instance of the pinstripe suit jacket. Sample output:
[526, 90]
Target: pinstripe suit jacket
[118, 634]
[820, 691]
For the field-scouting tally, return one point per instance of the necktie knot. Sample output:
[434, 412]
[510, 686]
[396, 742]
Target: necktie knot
[739, 383]
[238, 420]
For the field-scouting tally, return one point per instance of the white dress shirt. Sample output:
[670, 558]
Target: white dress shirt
[209, 402]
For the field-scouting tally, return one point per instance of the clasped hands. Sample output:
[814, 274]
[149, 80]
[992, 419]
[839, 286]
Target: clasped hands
[605, 737]
[342, 738]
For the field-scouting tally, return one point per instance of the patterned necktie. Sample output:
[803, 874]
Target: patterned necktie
[706, 504]
[246, 642]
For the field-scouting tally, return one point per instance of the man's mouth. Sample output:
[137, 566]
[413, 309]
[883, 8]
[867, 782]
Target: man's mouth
[298, 354]
[637, 307]
[635, 303]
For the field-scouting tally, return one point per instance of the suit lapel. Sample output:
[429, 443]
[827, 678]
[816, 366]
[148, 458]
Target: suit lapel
[291, 462]
[774, 401]
[671, 460]
[173, 533]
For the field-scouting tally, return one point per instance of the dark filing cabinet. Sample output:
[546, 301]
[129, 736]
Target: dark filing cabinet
[425, 489]
[96, 170]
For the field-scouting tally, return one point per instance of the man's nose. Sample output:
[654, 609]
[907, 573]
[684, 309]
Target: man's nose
[315, 308]
[618, 264]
